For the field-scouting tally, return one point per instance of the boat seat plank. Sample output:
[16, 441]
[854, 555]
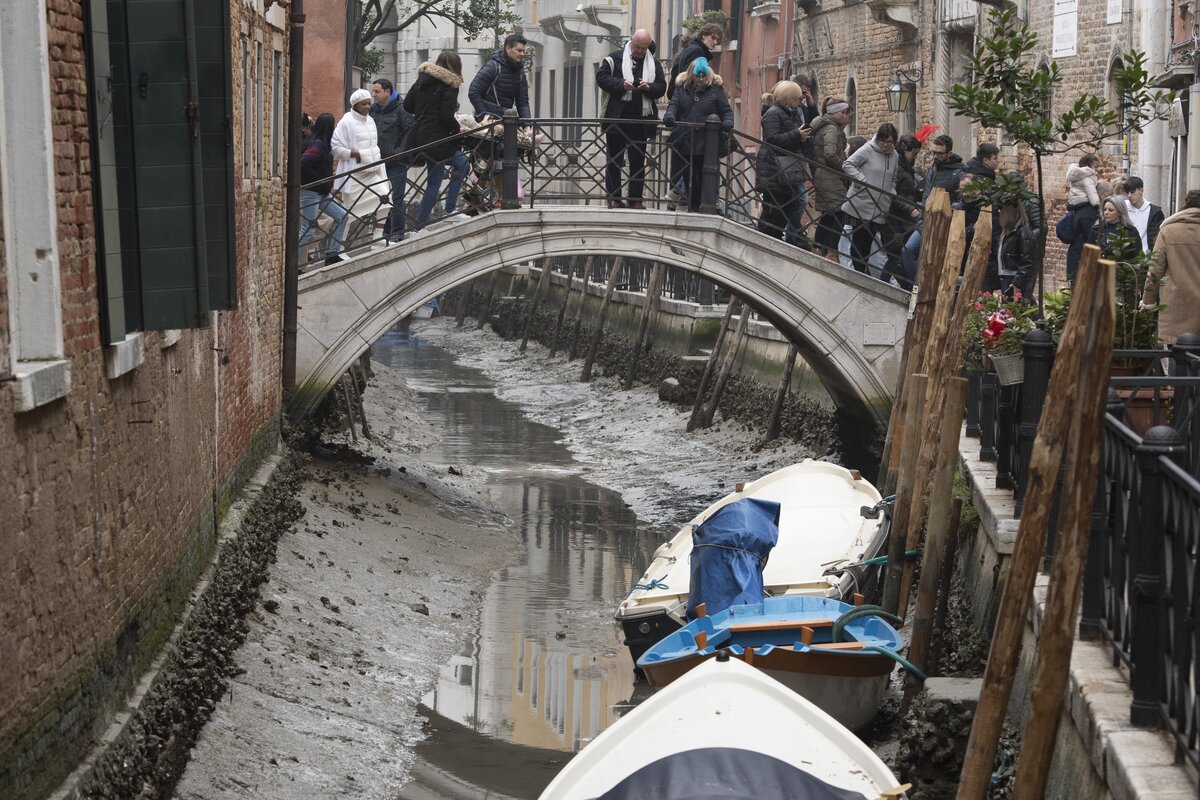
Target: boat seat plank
[844, 645]
[743, 627]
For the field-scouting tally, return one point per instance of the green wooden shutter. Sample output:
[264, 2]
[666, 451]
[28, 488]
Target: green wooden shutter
[168, 173]
[105, 203]
[215, 80]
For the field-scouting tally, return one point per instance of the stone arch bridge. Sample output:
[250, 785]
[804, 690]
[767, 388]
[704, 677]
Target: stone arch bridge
[848, 327]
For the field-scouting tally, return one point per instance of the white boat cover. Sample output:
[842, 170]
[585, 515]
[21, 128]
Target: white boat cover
[723, 705]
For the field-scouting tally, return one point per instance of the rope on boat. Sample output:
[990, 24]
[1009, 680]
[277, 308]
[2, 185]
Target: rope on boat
[877, 560]
[657, 583]
[861, 611]
[899, 659]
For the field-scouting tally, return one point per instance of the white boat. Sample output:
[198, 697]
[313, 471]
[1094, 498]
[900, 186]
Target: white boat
[824, 538]
[725, 729]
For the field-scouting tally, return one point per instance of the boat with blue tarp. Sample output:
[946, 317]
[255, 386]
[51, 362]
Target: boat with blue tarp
[839, 656]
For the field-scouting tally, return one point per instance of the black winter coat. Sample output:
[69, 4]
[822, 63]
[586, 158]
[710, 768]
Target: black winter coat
[433, 101]
[1109, 239]
[611, 79]
[686, 57]
[945, 176]
[1015, 261]
[500, 84]
[900, 222]
[693, 103]
[391, 123]
[781, 128]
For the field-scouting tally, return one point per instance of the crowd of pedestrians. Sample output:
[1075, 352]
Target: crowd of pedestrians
[861, 199]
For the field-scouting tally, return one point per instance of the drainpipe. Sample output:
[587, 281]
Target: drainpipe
[1152, 144]
[291, 265]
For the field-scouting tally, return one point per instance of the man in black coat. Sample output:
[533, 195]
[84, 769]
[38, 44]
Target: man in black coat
[500, 83]
[632, 80]
[391, 123]
[947, 168]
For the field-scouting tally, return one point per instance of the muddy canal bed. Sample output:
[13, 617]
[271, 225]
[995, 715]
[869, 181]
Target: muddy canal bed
[440, 623]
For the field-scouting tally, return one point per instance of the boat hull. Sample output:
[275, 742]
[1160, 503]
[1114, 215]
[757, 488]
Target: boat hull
[850, 689]
[722, 708]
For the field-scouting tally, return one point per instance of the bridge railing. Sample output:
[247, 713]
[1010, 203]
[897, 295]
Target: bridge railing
[1141, 589]
[569, 161]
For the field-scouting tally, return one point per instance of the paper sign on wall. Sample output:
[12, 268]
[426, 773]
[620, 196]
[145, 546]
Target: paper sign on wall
[1066, 28]
[1115, 11]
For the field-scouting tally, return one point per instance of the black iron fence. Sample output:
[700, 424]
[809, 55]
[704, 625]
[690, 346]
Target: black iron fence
[1141, 588]
[696, 166]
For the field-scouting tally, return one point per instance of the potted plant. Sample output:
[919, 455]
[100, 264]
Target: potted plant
[993, 332]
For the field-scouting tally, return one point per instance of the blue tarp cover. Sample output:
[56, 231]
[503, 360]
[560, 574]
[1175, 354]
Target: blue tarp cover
[729, 551]
[724, 772]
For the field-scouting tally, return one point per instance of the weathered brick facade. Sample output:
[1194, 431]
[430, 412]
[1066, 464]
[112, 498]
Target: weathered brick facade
[109, 496]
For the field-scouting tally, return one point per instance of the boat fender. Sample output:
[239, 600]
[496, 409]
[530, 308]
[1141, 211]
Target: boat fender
[861, 611]
[722, 655]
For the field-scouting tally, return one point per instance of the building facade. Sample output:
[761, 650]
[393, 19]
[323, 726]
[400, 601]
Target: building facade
[142, 165]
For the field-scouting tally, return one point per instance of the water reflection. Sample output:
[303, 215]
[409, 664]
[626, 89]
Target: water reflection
[546, 669]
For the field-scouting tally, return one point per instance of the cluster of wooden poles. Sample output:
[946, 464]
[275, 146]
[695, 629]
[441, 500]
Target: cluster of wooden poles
[921, 453]
[704, 408]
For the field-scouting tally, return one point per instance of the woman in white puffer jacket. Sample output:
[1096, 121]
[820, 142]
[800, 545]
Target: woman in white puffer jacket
[356, 143]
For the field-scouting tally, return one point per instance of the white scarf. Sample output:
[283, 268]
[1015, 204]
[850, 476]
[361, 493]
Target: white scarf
[650, 73]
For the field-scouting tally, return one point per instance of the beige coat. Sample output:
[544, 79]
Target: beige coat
[1177, 265]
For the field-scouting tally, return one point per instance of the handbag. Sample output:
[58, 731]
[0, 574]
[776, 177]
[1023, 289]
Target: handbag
[792, 171]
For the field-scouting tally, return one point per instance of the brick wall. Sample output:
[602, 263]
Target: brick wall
[110, 494]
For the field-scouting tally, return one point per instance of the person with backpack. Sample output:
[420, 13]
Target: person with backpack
[631, 80]
[433, 102]
[391, 124]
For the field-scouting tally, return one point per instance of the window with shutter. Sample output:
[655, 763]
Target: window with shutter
[160, 120]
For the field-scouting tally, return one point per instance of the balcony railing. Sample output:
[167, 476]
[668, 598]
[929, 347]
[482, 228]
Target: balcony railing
[1141, 588]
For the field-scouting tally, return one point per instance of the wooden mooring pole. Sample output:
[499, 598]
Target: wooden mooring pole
[709, 366]
[598, 331]
[648, 308]
[776, 418]
[1047, 456]
[538, 293]
[915, 389]
[933, 251]
[1084, 450]
[464, 299]
[562, 310]
[487, 302]
[710, 410]
[941, 496]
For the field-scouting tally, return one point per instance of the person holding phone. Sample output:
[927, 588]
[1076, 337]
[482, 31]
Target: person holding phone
[631, 80]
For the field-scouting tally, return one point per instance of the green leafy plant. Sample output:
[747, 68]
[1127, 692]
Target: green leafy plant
[1005, 89]
[995, 324]
[1136, 325]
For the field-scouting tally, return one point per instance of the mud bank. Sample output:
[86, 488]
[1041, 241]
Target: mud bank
[368, 596]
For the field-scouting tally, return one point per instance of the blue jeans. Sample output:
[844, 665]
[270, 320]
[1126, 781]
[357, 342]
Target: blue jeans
[393, 227]
[312, 205]
[911, 254]
[459, 166]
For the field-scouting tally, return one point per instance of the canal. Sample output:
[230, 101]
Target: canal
[546, 671]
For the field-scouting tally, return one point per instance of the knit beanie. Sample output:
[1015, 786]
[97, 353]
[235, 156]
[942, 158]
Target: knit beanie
[358, 96]
[700, 66]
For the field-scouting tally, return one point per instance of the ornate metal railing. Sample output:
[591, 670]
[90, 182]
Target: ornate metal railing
[517, 163]
[1141, 588]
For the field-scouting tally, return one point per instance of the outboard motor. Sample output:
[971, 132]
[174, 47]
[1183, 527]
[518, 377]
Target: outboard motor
[729, 552]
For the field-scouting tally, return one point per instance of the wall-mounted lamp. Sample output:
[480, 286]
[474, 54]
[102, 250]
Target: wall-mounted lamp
[575, 51]
[903, 90]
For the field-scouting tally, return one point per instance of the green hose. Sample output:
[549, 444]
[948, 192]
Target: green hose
[899, 659]
[861, 611]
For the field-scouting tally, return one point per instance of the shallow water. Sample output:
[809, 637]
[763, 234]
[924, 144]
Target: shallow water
[546, 671]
